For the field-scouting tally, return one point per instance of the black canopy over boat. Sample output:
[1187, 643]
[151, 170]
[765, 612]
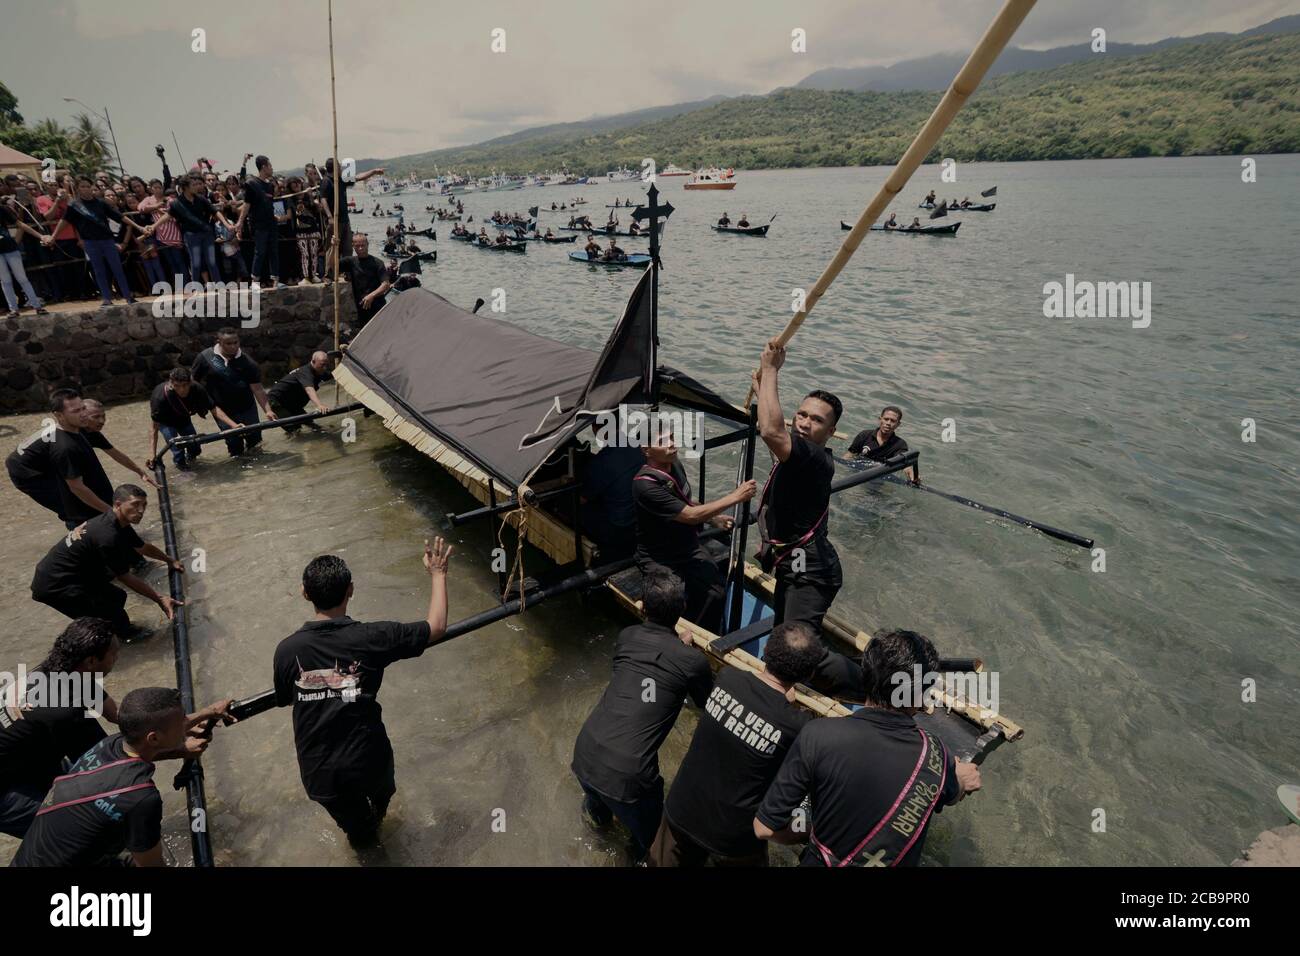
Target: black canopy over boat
[503, 410]
[947, 229]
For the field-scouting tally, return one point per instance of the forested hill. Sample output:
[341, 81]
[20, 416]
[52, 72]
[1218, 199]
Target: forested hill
[1231, 96]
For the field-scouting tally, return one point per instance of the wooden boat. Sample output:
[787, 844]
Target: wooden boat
[515, 245]
[634, 260]
[549, 238]
[746, 230]
[973, 207]
[426, 233]
[947, 229]
[430, 256]
[465, 236]
[604, 231]
[421, 361]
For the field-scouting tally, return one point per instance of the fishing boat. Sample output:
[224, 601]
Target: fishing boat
[671, 170]
[973, 207]
[622, 175]
[634, 260]
[514, 245]
[745, 230]
[947, 229]
[712, 179]
[422, 360]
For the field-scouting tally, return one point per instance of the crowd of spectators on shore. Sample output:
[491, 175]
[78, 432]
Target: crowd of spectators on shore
[66, 238]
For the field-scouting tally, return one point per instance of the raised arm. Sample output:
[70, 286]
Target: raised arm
[435, 562]
[771, 423]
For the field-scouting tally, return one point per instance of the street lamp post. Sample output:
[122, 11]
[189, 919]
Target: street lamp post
[111, 133]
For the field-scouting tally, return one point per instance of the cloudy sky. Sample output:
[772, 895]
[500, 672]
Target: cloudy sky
[414, 75]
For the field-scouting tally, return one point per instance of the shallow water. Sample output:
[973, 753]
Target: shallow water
[1128, 682]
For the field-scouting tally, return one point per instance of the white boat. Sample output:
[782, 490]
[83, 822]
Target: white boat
[623, 175]
[712, 179]
[671, 170]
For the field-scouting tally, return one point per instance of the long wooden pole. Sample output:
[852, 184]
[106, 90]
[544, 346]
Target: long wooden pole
[968, 79]
[334, 242]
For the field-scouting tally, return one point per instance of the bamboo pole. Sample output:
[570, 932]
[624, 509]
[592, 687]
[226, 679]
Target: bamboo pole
[334, 241]
[968, 79]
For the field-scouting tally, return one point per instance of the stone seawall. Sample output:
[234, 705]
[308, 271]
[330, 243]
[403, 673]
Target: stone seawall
[119, 354]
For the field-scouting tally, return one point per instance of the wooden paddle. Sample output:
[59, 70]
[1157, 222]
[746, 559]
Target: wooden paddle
[968, 79]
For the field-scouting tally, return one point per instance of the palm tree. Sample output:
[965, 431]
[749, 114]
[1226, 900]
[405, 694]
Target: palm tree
[91, 143]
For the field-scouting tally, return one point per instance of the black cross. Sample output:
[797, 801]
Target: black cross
[654, 212]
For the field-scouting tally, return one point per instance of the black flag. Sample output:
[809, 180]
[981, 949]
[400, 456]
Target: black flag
[990, 192]
[532, 211]
[941, 211]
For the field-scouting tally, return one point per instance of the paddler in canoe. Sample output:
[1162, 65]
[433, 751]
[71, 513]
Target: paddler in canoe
[744, 221]
[613, 222]
[554, 207]
[965, 203]
[668, 524]
[929, 199]
[614, 253]
[725, 221]
[883, 441]
[916, 223]
[892, 221]
[633, 228]
[592, 249]
[549, 234]
[794, 510]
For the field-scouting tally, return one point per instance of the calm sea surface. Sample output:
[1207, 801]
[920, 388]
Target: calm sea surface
[1129, 683]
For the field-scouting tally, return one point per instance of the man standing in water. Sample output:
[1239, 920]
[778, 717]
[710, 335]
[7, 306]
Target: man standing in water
[290, 395]
[875, 777]
[668, 523]
[330, 670]
[884, 442]
[234, 382]
[793, 512]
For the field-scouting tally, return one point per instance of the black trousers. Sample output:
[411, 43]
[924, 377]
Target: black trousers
[44, 493]
[798, 599]
[104, 601]
[359, 808]
[705, 587]
[285, 411]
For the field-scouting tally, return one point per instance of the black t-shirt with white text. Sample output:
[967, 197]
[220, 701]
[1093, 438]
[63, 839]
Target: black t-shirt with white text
[853, 769]
[617, 752]
[744, 733]
[331, 672]
[124, 811]
[89, 556]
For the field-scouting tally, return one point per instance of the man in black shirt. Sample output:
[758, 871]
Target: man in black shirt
[331, 670]
[194, 215]
[883, 443]
[108, 803]
[39, 735]
[667, 528]
[608, 504]
[30, 466]
[75, 576]
[259, 210]
[171, 406]
[874, 778]
[290, 395]
[234, 382]
[90, 217]
[749, 723]
[369, 279]
[327, 200]
[84, 488]
[795, 507]
[616, 757]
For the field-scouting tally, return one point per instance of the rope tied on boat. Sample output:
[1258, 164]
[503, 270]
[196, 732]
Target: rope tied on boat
[523, 510]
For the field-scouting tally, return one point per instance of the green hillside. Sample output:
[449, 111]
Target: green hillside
[1230, 96]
